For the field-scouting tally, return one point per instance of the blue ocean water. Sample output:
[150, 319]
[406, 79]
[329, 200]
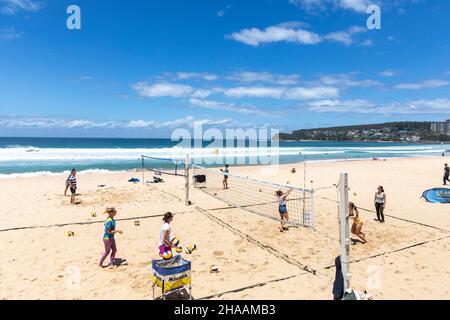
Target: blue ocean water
[43, 156]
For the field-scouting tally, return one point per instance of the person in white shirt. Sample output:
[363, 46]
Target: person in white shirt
[164, 237]
[380, 203]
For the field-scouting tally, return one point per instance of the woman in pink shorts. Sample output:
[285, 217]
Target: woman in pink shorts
[164, 240]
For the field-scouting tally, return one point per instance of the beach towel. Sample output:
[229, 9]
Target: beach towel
[437, 195]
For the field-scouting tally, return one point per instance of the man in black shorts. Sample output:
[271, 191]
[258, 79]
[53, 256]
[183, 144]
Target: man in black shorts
[446, 174]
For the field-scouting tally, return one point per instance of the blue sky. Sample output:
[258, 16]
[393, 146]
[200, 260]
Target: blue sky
[143, 68]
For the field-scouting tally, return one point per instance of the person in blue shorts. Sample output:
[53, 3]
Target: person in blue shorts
[282, 208]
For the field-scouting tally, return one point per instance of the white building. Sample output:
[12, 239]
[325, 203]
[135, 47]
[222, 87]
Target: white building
[441, 127]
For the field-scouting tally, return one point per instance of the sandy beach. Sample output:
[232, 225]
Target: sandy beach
[406, 258]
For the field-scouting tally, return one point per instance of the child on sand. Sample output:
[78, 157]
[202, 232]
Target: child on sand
[357, 223]
[164, 239]
[282, 208]
[108, 238]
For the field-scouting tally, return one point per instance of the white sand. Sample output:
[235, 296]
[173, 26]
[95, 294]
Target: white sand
[403, 259]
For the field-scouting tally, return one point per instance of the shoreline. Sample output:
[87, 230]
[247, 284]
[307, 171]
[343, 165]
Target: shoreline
[33, 174]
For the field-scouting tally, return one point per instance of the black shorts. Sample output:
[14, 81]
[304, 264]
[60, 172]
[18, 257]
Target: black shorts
[73, 190]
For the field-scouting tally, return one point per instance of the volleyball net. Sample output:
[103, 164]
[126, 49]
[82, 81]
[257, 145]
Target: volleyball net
[257, 196]
[162, 166]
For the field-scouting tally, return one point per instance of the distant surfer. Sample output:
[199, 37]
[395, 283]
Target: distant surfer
[446, 174]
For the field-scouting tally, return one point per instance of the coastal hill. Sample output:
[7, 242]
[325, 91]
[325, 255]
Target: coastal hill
[391, 131]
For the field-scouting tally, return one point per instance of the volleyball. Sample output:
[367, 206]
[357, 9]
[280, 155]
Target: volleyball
[214, 269]
[167, 255]
[175, 241]
[190, 249]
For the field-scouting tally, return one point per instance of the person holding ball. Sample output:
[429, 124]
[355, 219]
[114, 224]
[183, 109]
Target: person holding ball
[165, 244]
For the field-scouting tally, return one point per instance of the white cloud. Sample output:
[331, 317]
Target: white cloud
[249, 77]
[162, 89]
[293, 93]
[196, 75]
[388, 73]
[311, 93]
[84, 78]
[355, 5]
[216, 105]
[256, 37]
[222, 13]
[358, 105]
[359, 6]
[347, 80]
[345, 37]
[257, 91]
[45, 123]
[11, 7]
[202, 93]
[367, 43]
[9, 34]
[423, 106]
[292, 32]
[428, 84]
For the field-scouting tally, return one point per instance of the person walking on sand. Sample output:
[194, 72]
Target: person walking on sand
[108, 238]
[357, 222]
[282, 208]
[73, 185]
[446, 174]
[67, 182]
[380, 203]
[225, 176]
[164, 235]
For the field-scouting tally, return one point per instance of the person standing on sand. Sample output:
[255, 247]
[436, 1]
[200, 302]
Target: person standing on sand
[67, 182]
[225, 177]
[73, 185]
[164, 235]
[108, 238]
[380, 203]
[357, 223]
[282, 208]
[446, 174]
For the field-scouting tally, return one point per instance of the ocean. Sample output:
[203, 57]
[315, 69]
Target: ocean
[47, 156]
